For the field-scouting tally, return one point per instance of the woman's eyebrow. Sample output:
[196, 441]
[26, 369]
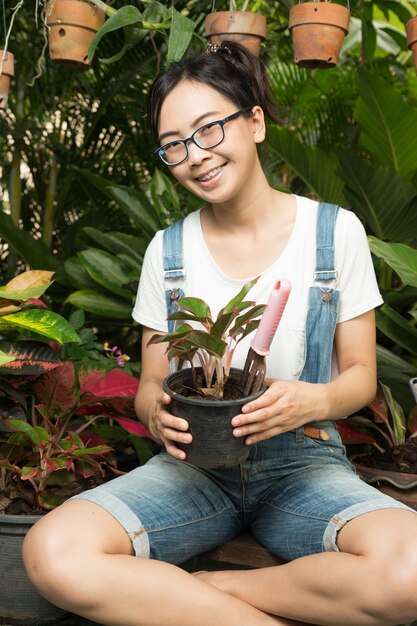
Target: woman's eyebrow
[175, 133]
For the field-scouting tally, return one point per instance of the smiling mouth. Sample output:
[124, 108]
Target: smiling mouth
[206, 177]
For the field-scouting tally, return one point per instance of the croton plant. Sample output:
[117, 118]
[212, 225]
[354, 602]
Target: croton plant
[48, 405]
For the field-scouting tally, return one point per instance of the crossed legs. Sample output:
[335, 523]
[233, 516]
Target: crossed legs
[81, 559]
[371, 582]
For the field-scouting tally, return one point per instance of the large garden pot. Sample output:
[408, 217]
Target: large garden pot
[7, 73]
[399, 485]
[318, 30]
[411, 28]
[20, 603]
[245, 27]
[213, 443]
[72, 26]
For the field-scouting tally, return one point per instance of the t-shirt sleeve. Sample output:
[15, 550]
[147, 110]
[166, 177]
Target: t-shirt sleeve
[357, 282]
[150, 309]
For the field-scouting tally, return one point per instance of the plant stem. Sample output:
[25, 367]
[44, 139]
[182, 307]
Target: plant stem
[50, 202]
[15, 178]
[109, 11]
[15, 182]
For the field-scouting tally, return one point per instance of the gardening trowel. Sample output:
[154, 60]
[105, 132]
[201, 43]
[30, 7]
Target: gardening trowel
[255, 367]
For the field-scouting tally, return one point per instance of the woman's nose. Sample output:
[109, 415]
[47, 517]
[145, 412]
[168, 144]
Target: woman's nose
[196, 154]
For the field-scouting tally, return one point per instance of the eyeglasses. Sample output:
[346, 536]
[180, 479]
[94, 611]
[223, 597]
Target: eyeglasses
[205, 137]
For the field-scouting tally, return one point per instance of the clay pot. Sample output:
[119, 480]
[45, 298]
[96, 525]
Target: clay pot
[249, 29]
[411, 28]
[72, 26]
[318, 30]
[6, 76]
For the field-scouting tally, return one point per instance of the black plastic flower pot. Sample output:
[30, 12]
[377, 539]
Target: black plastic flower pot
[213, 443]
[20, 603]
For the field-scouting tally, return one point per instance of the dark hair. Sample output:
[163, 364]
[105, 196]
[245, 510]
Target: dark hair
[231, 69]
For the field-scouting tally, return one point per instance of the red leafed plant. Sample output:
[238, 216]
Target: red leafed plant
[51, 454]
[48, 405]
[388, 435]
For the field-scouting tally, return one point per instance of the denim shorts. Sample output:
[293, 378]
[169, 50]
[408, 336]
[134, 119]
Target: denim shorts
[294, 493]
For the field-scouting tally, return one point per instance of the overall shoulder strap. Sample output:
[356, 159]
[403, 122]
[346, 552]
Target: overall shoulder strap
[323, 301]
[325, 228]
[172, 251]
[174, 271]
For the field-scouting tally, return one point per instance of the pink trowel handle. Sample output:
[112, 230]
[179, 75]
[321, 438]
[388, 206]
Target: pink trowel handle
[271, 317]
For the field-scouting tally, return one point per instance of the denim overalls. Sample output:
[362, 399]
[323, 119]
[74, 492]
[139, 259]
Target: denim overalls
[294, 492]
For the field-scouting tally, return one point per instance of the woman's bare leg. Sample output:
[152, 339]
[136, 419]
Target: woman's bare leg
[371, 582]
[81, 559]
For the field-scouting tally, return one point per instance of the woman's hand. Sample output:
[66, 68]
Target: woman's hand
[168, 428]
[284, 406]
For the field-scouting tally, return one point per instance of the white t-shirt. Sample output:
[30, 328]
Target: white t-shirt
[204, 279]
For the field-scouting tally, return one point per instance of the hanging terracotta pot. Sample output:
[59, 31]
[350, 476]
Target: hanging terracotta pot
[248, 28]
[72, 26]
[411, 28]
[7, 73]
[318, 30]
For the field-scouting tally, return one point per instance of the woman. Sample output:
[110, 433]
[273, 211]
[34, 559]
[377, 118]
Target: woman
[347, 562]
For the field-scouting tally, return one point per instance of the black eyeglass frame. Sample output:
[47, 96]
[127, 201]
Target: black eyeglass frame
[192, 138]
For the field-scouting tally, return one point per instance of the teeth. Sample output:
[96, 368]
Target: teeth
[211, 174]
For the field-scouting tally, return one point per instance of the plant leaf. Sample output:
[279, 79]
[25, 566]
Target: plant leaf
[45, 323]
[125, 16]
[213, 345]
[106, 270]
[401, 257]
[38, 435]
[100, 304]
[237, 300]
[316, 167]
[397, 414]
[29, 357]
[137, 207]
[196, 306]
[58, 390]
[385, 120]
[5, 358]
[394, 326]
[180, 35]
[30, 284]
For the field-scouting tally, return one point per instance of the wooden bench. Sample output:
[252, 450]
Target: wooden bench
[242, 550]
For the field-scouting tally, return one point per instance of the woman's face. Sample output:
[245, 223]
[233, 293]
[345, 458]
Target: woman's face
[218, 174]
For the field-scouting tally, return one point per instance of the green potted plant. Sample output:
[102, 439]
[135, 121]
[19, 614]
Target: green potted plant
[248, 27]
[382, 439]
[209, 395]
[48, 448]
[74, 28]
[318, 29]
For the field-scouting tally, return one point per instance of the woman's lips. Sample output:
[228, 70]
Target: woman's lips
[211, 178]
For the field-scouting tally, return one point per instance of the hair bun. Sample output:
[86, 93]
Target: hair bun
[215, 48]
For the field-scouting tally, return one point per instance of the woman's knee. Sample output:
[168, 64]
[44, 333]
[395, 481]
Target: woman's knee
[400, 576]
[49, 564]
[58, 547]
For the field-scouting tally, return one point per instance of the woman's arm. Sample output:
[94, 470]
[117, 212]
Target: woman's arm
[289, 404]
[151, 401]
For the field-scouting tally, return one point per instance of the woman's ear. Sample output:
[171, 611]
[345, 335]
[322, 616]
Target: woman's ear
[258, 124]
